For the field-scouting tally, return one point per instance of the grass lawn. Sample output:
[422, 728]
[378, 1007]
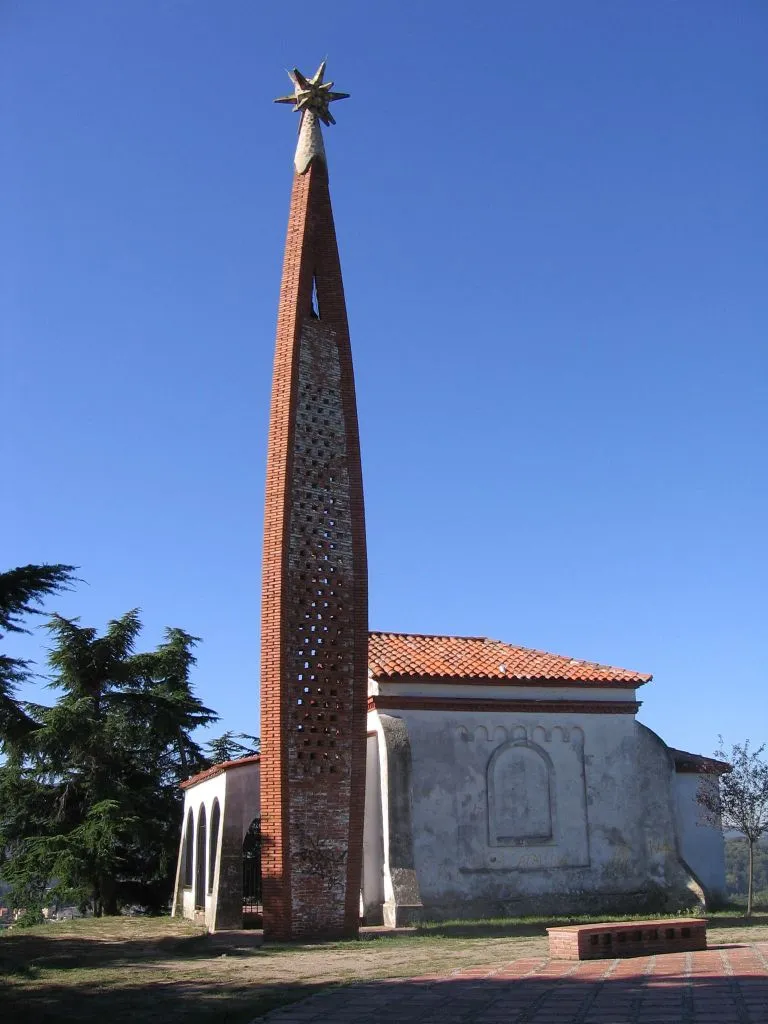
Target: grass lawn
[129, 970]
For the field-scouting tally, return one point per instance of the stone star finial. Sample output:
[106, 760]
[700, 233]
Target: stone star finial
[312, 95]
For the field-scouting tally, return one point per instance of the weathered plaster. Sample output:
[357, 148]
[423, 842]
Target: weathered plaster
[310, 144]
[237, 791]
[400, 885]
[701, 841]
[501, 690]
[677, 886]
[590, 823]
[500, 813]
[373, 838]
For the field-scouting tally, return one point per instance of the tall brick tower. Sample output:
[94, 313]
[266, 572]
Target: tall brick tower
[315, 582]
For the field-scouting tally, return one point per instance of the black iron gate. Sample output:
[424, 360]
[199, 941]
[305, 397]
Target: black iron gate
[252, 906]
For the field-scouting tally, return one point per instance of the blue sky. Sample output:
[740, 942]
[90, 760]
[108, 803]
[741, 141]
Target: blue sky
[552, 221]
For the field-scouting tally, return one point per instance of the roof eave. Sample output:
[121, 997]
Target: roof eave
[458, 680]
[219, 769]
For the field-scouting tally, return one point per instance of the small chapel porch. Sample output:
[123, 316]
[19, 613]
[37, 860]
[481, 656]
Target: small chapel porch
[218, 875]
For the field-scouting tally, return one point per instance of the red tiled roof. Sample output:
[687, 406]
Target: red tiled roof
[217, 769]
[408, 655]
[477, 658]
[687, 762]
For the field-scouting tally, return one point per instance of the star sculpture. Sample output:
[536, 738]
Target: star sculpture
[312, 95]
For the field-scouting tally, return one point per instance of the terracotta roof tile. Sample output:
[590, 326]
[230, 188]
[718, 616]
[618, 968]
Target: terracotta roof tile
[398, 655]
[475, 658]
[217, 769]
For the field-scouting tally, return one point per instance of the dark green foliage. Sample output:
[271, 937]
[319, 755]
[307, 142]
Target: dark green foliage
[737, 869]
[22, 589]
[89, 801]
[230, 746]
[21, 593]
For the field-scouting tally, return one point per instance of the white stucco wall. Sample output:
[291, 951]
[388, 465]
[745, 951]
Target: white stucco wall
[373, 836]
[507, 813]
[238, 793]
[666, 870]
[499, 691]
[196, 797]
[701, 843]
[518, 812]
[378, 889]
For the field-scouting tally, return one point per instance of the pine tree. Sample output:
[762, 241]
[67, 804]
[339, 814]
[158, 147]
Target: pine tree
[230, 746]
[89, 802]
[22, 591]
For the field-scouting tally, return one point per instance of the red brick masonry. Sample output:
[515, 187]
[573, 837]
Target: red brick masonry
[726, 985]
[314, 634]
[627, 938]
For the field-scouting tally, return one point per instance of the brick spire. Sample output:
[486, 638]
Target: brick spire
[315, 588]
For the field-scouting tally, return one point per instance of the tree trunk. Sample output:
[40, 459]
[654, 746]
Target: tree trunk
[108, 891]
[751, 876]
[182, 755]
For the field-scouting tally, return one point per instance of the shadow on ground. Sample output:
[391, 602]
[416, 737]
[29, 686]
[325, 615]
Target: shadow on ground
[169, 1002]
[231, 978]
[21, 952]
[626, 996]
[566, 1000]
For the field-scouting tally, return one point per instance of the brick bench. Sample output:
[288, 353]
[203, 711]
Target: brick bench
[627, 938]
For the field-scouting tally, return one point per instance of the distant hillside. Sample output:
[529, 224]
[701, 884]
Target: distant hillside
[736, 869]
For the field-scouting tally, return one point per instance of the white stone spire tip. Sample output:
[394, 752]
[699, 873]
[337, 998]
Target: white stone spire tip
[311, 98]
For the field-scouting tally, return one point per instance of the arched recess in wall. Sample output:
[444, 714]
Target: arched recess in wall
[200, 860]
[189, 849]
[521, 795]
[213, 842]
[252, 872]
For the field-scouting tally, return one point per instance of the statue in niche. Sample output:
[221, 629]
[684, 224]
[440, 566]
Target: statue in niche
[520, 795]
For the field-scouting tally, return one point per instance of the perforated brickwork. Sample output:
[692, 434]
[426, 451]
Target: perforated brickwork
[314, 599]
[320, 562]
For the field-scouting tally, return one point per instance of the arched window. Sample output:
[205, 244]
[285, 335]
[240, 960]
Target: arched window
[520, 795]
[213, 843]
[189, 850]
[202, 845]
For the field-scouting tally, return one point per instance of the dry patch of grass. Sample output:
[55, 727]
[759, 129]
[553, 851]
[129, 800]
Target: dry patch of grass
[726, 927]
[125, 970]
[169, 971]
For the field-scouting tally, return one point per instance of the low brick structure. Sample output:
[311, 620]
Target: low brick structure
[627, 938]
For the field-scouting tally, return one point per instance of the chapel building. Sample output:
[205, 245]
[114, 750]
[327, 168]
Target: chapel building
[500, 781]
[406, 777]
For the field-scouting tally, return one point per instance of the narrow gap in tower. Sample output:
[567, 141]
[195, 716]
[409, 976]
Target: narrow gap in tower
[315, 305]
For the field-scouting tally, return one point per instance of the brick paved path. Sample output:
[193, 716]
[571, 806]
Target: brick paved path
[723, 985]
